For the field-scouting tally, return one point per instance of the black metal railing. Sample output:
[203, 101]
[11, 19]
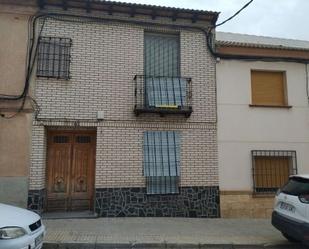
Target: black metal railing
[163, 95]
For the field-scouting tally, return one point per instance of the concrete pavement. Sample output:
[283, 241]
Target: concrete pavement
[163, 233]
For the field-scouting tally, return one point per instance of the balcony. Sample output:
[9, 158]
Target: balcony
[163, 95]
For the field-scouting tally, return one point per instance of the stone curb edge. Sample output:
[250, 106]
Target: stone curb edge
[55, 245]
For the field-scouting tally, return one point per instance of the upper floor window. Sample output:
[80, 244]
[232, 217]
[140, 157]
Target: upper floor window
[161, 88]
[162, 54]
[268, 88]
[54, 57]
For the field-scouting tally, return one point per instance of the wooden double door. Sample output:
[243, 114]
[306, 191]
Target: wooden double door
[70, 170]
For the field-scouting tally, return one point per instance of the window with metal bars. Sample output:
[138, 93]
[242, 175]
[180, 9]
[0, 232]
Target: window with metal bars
[163, 85]
[162, 161]
[271, 169]
[54, 57]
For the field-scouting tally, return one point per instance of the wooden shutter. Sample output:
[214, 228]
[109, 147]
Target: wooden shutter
[268, 88]
[271, 171]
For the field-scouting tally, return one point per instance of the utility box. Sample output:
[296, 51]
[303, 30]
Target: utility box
[100, 115]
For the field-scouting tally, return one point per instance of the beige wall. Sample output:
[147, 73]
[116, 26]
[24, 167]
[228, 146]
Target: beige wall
[15, 138]
[243, 205]
[13, 40]
[15, 133]
[242, 128]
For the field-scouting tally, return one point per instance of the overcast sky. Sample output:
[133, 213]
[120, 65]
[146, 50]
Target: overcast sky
[277, 18]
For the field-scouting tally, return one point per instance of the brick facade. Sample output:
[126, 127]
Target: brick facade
[105, 57]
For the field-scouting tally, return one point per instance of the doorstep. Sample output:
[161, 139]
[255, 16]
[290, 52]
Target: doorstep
[69, 215]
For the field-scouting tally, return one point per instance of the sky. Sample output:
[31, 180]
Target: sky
[276, 18]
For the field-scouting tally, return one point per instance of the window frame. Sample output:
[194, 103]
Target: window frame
[163, 34]
[148, 173]
[291, 154]
[284, 86]
[65, 61]
[168, 78]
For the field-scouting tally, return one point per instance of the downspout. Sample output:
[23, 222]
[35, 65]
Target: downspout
[307, 78]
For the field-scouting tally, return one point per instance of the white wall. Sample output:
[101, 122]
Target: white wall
[242, 128]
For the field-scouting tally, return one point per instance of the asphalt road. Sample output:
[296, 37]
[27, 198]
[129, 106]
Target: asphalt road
[166, 246]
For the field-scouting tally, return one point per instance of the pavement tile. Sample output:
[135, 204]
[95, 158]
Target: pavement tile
[161, 232]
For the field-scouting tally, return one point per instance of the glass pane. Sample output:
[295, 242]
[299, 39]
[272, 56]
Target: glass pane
[161, 153]
[83, 139]
[297, 186]
[162, 184]
[161, 54]
[61, 139]
[54, 57]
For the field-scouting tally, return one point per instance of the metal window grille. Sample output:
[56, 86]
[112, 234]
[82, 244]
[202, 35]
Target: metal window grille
[162, 161]
[54, 57]
[271, 169]
[163, 86]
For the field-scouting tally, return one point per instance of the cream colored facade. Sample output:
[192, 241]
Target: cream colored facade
[106, 54]
[15, 132]
[242, 128]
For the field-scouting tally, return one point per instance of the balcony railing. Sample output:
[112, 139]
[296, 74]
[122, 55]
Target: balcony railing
[163, 95]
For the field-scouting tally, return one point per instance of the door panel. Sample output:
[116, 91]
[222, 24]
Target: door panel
[70, 170]
[81, 184]
[59, 161]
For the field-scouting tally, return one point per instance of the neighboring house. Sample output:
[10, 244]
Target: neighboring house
[15, 124]
[263, 131]
[127, 123]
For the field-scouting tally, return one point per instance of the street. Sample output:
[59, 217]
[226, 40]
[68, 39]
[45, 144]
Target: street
[164, 246]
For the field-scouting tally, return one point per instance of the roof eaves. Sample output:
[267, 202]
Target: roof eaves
[159, 7]
[257, 45]
[193, 14]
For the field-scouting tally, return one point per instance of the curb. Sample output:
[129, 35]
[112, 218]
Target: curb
[55, 245]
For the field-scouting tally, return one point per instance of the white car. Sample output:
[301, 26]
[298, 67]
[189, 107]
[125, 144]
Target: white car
[291, 209]
[20, 228]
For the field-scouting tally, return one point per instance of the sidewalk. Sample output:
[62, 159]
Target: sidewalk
[163, 233]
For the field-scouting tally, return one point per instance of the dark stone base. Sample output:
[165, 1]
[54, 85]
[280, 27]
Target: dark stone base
[36, 199]
[202, 202]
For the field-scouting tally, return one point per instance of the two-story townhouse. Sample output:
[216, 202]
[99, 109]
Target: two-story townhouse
[127, 123]
[15, 102]
[263, 132]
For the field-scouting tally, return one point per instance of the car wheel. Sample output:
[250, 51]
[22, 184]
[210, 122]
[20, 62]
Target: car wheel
[289, 238]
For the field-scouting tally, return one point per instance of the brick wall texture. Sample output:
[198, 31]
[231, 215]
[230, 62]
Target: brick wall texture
[105, 58]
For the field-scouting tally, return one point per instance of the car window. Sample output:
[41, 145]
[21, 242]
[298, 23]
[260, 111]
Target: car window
[296, 186]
